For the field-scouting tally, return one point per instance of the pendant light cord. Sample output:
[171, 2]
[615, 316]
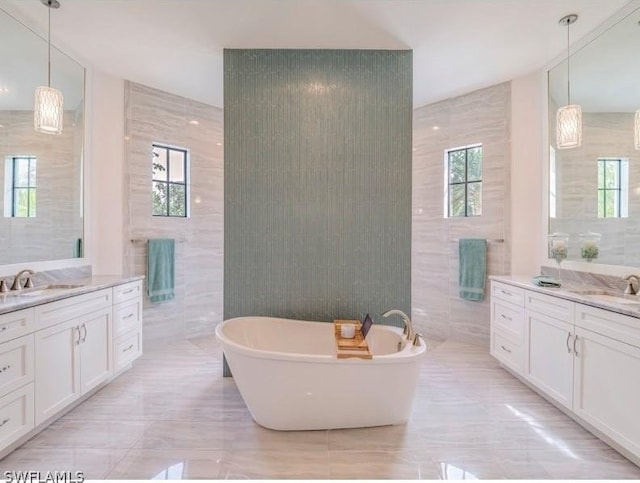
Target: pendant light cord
[49, 54]
[568, 71]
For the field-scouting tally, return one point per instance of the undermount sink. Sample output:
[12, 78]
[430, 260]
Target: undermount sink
[609, 296]
[49, 289]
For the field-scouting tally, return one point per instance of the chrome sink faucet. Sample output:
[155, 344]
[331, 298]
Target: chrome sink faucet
[631, 288]
[17, 282]
[408, 326]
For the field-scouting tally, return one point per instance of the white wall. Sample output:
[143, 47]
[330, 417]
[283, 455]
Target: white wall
[527, 158]
[106, 188]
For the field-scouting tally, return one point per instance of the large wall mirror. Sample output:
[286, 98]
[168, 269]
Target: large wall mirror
[41, 211]
[594, 190]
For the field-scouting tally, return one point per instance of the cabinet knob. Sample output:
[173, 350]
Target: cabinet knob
[4, 421]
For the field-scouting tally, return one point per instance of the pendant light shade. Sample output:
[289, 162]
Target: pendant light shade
[569, 126]
[48, 110]
[636, 130]
[569, 117]
[48, 107]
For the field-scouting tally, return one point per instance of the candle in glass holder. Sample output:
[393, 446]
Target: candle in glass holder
[589, 249]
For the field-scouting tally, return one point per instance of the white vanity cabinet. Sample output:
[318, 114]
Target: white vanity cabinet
[548, 337]
[16, 375]
[57, 369]
[53, 354]
[607, 374]
[127, 324]
[507, 327]
[73, 351]
[584, 358]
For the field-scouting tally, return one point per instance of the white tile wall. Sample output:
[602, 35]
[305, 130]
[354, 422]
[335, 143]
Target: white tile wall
[155, 116]
[479, 117]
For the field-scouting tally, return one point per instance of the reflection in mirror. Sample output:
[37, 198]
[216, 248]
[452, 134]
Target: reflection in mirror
[41, 175]
[594, 190]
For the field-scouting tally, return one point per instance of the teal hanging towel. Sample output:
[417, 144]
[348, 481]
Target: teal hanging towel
[473, 268]
[160, 269]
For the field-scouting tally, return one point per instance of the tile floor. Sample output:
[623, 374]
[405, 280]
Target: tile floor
[173, 416]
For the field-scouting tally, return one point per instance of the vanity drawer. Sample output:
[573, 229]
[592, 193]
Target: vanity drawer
[610, 324]
[507, 351]
[16, 324]
[126, 349]
[508, 293]
[16, 415]
[127, 316]
[552, 306]
[59, 311]
[16, 363]
[508, 318]
[127, 291]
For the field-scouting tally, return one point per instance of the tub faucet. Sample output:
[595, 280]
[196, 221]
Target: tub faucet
[408, 326]
[17, 285]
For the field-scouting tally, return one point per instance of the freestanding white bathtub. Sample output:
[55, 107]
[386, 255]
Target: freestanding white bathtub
[290, 379]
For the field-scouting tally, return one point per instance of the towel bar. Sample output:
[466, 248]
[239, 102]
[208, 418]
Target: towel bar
[495, 240]
[145, 240]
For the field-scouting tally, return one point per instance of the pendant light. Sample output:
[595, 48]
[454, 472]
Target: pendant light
[48, 106]
[569, 117]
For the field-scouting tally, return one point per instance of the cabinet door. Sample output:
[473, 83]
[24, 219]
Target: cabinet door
[549, 360]
[16, 415]
[607, 387]
[95, 349]
[57, 369]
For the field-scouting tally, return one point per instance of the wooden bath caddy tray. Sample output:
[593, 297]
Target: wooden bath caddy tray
[356, 347]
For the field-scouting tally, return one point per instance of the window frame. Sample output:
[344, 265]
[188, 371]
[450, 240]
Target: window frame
[167, 181]
[466, 182]
[621, 188]
[13, 187]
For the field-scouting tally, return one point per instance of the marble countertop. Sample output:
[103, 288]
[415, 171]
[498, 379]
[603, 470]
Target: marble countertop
[11, 301]
[572, 292]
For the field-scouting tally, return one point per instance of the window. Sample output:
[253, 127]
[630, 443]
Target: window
[613, 176]
[464, 181]
[169, 181]
[20, 187]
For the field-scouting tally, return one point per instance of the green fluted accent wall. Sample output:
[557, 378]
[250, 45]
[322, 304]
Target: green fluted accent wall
[317, 183]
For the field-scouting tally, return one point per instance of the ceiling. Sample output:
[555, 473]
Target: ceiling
[176, 45]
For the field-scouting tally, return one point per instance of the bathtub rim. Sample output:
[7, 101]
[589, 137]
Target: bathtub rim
[406, 356]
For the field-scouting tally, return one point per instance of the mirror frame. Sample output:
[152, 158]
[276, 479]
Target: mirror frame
[44, 265]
